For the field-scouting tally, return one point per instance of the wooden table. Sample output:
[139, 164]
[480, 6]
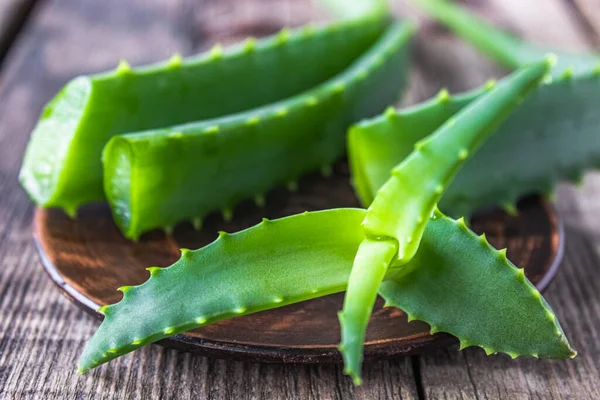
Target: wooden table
[42, 334]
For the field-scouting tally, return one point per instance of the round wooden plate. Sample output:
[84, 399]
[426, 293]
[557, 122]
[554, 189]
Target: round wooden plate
[88, 259]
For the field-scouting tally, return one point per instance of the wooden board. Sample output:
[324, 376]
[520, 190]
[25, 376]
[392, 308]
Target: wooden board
[42, 334]
[13, 14]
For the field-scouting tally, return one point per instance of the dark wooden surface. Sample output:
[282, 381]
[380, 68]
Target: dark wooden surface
[13, 14]
[41, 333]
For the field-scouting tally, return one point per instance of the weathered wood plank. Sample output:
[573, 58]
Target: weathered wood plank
[588, 11]
[41, 333]
[13, 14]
[470, 374]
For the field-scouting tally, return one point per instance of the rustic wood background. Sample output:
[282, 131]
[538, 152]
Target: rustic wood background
[42, 334]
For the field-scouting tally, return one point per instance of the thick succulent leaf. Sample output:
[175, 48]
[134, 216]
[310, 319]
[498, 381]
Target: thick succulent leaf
[161, 177]
[501, 46]
[370, 266]
[461, 285]
[553, 136]
[401, 209]
[267, 266]
[309, 255]
[89, 110]
[402, 205]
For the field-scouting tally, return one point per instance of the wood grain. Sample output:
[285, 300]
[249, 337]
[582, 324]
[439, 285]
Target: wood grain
[13, 14]
[41, 333]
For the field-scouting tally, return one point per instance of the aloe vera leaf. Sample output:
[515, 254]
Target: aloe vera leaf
[368, 271]
[76, 125]
[309, 255]
[402, 204]
[399, 213]
[272, 264]
[503, 47]
[463, 286]
[553, 136]
[161, 177]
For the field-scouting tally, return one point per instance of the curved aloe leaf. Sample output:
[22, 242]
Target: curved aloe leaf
[160, 177]
[370, 266]
[309, 255]
[501, 46]
[553, 136]
[89, 110]
[461, 285]
[400, 210]
[272, 264]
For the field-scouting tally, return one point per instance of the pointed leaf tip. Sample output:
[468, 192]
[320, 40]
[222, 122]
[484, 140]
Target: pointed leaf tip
[489, 351]
[212, 129]
[490, 84]
[252, 121]
[283, 35]
[175, 60]
[390, 112]
[154, 270]
[123, 67]
[338, 87]
[103, 309]
[124, 289]
[216, 52]
[281, 112]
[568, 72]
[551, 60]
[463, 345]
[443, 95]
[250, 44]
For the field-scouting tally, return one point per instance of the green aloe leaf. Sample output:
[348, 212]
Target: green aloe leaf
[270, 265]
[368, 271]
[480, 296]
[157, 178]
[399, 213]
[461, 285]
[553, 136]
[76, 125]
